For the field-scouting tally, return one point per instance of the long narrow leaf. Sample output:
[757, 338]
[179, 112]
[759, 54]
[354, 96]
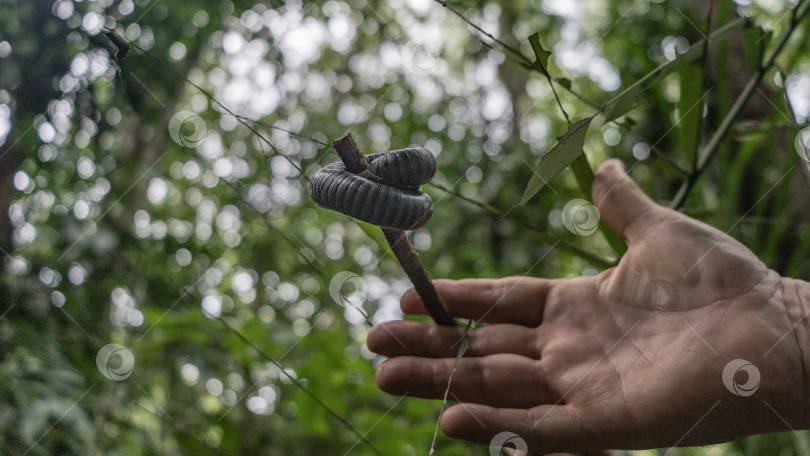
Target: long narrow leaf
[622, 104]
[689, 113]
[376, 235]
[557, 159]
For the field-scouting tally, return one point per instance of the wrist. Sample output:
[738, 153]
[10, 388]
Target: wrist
[796, 295]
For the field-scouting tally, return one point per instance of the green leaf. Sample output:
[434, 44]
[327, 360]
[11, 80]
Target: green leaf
[801, 442]
[583, 174]
[375, 233]
[622, 104]
[689, 111]
[565, 83]
[557, 159]
[542, 55]
[755, 39]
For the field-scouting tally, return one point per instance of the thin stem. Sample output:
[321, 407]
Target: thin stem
[350, 154]
[409, 260]
[472, 24]
[557, 97]
[522, 60]
[297, 135]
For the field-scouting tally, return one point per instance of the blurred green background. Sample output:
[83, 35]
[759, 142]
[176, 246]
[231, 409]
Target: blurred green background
[137, 211]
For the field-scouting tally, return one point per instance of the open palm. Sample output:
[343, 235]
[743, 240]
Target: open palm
[632, 358]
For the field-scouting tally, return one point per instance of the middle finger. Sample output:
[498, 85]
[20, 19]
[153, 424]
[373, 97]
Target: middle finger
[410, 338]
[499, 380]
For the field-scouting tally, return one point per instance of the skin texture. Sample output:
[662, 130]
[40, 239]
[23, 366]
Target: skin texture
[632, 358]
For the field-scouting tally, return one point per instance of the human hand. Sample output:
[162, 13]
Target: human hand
[632, 358]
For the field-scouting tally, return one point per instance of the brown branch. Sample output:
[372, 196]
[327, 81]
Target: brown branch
[399, 242]
[354, 160]
[407, 257]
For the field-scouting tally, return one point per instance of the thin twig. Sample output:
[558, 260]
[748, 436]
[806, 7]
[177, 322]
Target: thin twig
[350, 154]
[521, 59]
[297, 135]
[472, 24]
[557, 97]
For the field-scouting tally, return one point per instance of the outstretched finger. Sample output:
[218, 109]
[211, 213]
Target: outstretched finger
[518, 300]
[400, 338]
[498, 380]
[542, 429]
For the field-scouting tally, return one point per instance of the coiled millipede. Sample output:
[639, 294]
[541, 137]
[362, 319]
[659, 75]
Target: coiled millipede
[387, 194]
[383, 189]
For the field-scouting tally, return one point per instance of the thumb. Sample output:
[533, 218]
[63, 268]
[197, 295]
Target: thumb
[622, 205]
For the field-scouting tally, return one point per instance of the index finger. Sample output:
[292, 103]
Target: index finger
[517, 300]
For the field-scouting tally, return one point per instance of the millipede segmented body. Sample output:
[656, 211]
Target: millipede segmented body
[387, 194]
